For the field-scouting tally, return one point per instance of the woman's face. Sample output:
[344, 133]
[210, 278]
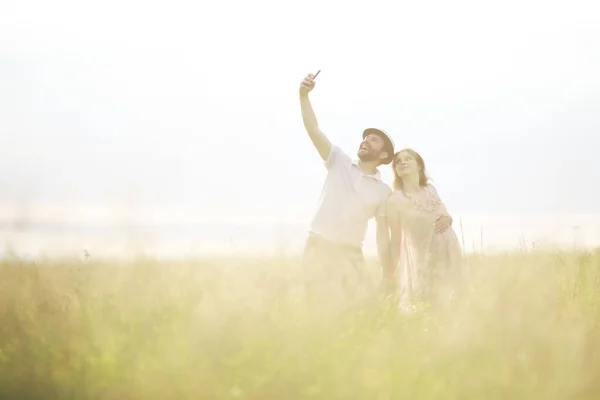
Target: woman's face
[406, 164]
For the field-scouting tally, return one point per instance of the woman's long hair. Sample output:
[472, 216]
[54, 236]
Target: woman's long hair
[423, 177]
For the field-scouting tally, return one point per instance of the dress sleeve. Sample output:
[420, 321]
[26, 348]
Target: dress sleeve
[435, 201]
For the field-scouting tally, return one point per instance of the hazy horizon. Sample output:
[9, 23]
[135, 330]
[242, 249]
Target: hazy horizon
[181, 238]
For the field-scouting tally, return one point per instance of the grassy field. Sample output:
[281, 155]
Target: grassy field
[238, 329]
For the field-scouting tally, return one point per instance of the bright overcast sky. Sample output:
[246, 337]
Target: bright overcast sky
[191, 108]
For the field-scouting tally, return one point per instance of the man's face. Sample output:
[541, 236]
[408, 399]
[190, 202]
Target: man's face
[371, 148]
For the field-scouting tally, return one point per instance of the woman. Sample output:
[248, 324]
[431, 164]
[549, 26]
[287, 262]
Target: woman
[425, 248]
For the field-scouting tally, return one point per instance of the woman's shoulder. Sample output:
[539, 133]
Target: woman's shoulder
[430, 188]
[430, 191]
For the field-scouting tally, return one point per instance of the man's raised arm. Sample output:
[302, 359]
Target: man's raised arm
[318, 138]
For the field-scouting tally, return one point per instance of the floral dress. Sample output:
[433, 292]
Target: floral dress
[431, 264]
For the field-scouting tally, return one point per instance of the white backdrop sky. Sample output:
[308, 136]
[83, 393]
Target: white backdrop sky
[189, 110]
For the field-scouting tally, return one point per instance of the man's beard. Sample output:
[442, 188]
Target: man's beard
[366, 157]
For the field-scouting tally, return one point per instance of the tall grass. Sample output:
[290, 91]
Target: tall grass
[529, 328]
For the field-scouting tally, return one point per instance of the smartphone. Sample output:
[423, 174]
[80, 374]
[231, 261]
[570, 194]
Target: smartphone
[317, 74]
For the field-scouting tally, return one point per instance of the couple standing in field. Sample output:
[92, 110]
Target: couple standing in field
[418, 250]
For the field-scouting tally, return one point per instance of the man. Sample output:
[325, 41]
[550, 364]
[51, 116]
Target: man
[352, 194]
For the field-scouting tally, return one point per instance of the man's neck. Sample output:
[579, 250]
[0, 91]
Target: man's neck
[368, 167]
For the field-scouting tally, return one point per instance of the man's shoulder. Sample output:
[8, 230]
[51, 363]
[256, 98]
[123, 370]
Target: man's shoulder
[385, 188]
[337, 156]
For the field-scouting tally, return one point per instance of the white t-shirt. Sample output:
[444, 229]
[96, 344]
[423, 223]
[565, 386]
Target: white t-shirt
[349, 199]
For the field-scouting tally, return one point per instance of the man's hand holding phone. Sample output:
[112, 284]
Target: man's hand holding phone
[308, 83]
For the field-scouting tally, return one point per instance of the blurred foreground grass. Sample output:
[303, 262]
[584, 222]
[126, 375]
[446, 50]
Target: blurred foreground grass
[234, 328]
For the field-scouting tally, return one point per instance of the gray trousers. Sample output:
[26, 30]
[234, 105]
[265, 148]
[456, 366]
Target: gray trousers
[335, 274]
